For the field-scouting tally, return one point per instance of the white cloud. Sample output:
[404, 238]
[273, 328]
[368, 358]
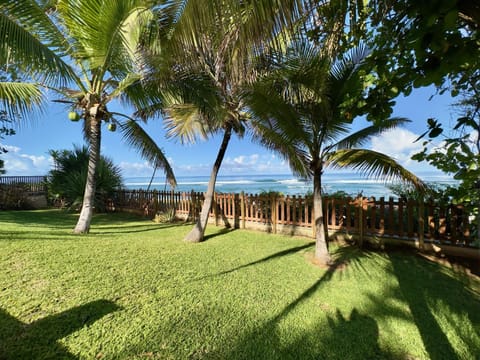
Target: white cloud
[18, 163]
[255, 163]
[241, 164]
[136, 169]
[400, 144]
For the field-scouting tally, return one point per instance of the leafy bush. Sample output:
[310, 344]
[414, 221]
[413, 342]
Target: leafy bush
[67, 180]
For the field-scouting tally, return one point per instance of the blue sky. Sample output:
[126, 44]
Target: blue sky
[28, 149]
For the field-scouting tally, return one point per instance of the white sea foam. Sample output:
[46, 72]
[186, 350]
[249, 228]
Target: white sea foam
[356, 181]
[235, 182]
[291, 181]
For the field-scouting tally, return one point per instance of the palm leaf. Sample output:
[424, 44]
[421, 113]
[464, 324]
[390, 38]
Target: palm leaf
[186, 122]
[20, 98]
[32, 42]
[135, 136]
[287, 146]
[101, 32]
[361, 137]
[373, 164]
[122, 86]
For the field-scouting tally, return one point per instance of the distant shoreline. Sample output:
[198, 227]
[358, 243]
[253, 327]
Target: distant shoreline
[350, 183]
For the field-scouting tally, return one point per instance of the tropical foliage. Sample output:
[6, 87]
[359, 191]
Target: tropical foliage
[5, 130]
[203, 64]
[302, 109]
[67, 180]
[85, 52]
[458, 154]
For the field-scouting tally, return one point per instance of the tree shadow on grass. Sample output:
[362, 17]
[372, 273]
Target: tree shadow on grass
[432, 295]
[352, 338]
[39, 340]
[259, 261]
[221, 232]
[334, 336]
[133, 229]
[421, 286]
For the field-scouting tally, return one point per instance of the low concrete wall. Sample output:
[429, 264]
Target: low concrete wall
[428, 246]
[36, 201]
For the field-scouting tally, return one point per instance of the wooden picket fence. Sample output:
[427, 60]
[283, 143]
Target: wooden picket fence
[365, 217]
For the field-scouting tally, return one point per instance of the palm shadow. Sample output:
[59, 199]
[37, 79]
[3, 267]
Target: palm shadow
[133, 229]
[339, 337]
[259, 261]
[265, 342]
[427, 289]
[39, 340]
[221, 232]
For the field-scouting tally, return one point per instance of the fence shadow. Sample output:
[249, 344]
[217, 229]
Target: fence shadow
[39, 340]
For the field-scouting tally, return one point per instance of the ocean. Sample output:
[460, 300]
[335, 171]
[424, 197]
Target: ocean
[349, 183]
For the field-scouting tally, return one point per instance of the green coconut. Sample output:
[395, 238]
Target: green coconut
[73, 116]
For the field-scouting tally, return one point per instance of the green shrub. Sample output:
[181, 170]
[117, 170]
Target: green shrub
[67, 179]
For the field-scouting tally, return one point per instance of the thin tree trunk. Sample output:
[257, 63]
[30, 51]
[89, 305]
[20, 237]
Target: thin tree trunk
[197, 233]
[83, 223]
[321, 249]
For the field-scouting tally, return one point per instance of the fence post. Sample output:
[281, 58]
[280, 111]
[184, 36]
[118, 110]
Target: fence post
[215, 208]
[421, 224]
[242, 208]
[274, 206]
[360, 221]
[314, 226]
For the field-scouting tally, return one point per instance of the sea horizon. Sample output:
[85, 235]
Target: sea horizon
[350, 183]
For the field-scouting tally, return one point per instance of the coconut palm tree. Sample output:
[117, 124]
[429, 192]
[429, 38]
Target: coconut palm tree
[303, 109]
[214, 44]
[84, 51]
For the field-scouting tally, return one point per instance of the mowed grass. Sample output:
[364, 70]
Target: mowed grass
[132, 289]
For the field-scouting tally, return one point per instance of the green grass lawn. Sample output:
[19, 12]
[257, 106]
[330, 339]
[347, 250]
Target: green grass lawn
[132, 289]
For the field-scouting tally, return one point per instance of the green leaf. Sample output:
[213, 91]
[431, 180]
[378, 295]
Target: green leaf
[435, 132]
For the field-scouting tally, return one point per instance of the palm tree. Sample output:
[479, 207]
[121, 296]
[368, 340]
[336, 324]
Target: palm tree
[89, 49]
[213, 43]
[303, 109]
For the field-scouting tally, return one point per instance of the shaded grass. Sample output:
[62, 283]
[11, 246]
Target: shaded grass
[133, 289]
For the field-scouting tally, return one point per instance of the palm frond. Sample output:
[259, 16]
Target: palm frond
[105, 33]
[373, 164]
[291, 150]
[20, 98]
[186, 122]
[362, 136]
[136, 137]
[122, 86]
[32, 43]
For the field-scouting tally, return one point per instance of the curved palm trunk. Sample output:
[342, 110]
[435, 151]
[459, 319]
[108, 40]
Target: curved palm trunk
[83, 223]
[197, 233]
[321, 250]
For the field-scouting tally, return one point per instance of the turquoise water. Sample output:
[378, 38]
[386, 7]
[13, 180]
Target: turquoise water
[350, 183]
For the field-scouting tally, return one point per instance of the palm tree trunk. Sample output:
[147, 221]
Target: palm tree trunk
[321, 250]
[83, 223]
[197, 233]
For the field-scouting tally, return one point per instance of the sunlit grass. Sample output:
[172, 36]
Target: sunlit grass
[132, 289]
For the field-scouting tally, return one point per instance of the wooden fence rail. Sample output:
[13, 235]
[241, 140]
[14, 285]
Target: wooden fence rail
[390, 218]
